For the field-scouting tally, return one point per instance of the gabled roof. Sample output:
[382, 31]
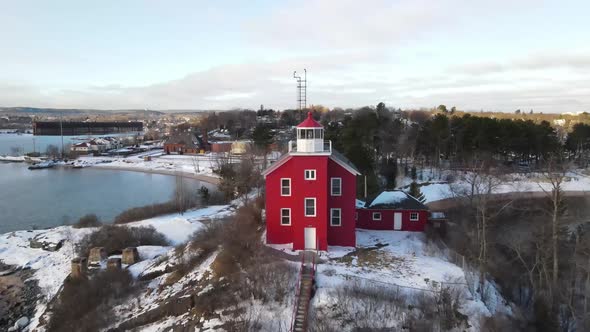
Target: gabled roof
[335, 156]
[189, 140]
[395, 200]
[283, 159]
[309, 122]
[344, 162]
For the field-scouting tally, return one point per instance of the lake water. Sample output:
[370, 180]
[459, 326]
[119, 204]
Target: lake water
[29, 143]
[51, 197]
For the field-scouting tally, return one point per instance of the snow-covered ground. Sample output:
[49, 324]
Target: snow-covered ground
[199, 164]
[401, 261]
[17, 159]
[51, 268]
[575, 181]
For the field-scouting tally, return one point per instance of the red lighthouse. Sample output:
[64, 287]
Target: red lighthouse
[310, 193]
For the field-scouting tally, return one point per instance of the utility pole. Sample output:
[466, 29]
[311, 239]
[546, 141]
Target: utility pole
[61, 128]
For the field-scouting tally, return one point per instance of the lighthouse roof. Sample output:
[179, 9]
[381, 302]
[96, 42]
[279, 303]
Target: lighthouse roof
[309, 122]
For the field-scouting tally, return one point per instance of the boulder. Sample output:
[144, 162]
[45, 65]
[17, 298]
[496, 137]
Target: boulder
[48, 242]
[21, 323]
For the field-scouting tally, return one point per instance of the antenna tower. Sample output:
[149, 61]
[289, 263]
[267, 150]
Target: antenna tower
[301, 92]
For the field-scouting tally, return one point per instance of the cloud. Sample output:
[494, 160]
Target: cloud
[335, 81]
[536, 62]
[345, 23]
[357, 53]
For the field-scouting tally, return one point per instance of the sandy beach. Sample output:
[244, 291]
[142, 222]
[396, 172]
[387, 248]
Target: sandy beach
[200, 177]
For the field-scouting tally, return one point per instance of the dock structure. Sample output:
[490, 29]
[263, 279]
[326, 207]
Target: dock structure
[73, 128]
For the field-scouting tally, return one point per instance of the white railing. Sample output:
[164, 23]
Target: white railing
[327, 147]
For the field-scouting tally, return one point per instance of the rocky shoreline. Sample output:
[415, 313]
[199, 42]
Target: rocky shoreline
[18, 297]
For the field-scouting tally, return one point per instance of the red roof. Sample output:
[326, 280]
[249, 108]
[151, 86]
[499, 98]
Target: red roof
[309, 122]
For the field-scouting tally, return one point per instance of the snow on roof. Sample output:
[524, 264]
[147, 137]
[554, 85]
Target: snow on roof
[360, 204]
[438, 215]
[389, 198]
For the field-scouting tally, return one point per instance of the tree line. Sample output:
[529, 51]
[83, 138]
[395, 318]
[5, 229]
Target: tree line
[384, 142]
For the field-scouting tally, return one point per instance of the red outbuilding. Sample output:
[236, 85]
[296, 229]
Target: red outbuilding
[392, 210]
[311, 193]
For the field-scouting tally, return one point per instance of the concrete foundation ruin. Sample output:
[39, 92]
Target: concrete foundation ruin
[79, 268]
[114, 263]
[130, 256]
[97, 255]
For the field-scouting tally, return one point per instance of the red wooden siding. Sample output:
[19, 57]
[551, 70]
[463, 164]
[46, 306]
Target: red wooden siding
[365, 220]
[300, 189]
[345, 234]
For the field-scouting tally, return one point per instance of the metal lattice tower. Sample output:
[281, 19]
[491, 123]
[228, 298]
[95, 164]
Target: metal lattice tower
[301, 92]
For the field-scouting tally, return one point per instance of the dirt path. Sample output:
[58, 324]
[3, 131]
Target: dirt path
[452, 202]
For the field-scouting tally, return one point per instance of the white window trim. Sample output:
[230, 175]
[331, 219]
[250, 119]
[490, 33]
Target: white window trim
[311, 171]
[417, 216]
[332, 186]
[339, 217]
[281, 184]
[281, 221]
[315, 207]
[376, 214]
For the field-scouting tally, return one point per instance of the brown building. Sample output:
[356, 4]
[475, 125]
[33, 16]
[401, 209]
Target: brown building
[185, 143]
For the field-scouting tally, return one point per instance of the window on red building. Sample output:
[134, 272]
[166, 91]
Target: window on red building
[376, 215]
[310, 174]
[310, 207]
[335, 217]
[336, 186]
[286, 217]
[414, 216]
[285, 187]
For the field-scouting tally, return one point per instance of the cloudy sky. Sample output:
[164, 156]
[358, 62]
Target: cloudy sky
[494, 55]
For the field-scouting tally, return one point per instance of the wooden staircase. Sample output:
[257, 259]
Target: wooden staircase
[306, 289]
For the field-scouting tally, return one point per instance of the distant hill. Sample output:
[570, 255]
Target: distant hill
[36, 111]
[67, 111]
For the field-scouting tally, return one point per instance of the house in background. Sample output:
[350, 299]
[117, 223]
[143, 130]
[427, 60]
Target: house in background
[311, 193]
[81, 148]
[186, 143]
[392, 210]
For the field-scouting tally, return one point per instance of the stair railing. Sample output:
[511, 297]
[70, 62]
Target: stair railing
[298, 287]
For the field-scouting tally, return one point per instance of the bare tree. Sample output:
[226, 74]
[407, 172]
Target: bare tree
[52, 151]
[183, 197]
[479, 189]
[555, 174]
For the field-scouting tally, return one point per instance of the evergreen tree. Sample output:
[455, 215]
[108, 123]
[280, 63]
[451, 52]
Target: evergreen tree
[416, 193]
[414, 173]
[389, 171]
[263, 137]
[204, 193]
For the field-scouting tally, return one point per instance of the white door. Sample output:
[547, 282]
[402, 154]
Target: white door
[310, 242]
[397, 221]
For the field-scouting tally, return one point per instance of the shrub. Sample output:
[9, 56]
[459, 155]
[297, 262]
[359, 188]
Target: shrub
[237, 238]
[89, 220]
[145, 212]
[269, 281]
[86, 304]
[116, 238]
